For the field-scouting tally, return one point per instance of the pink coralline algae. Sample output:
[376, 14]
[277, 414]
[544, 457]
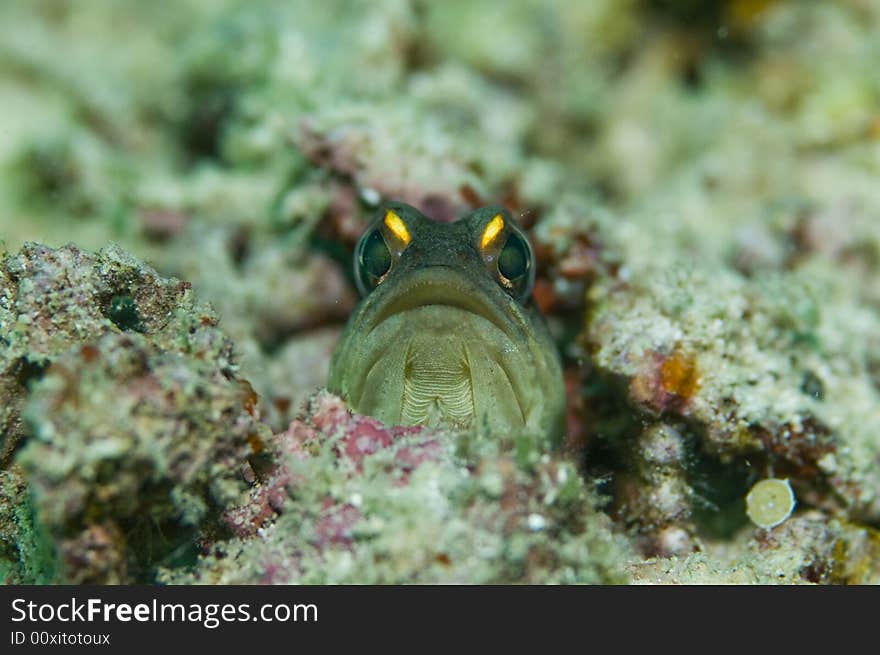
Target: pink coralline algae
[356, 438]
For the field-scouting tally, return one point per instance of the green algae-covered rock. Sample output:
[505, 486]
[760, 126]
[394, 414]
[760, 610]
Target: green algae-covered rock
[130, 431]
[354, 501]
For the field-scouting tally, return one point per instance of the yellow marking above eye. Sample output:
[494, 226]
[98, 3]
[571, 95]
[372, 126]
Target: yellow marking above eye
[398, 228]
[493, 229]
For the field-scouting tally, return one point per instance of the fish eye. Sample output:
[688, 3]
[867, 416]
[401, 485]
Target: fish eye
[513, 261]
[372, 261]
[508, 254]
[515, 265]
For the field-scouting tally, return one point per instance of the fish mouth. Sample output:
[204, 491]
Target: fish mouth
[459, 344]
[446, 286]
[454, 360]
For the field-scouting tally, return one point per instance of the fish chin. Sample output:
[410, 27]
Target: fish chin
[442, 365]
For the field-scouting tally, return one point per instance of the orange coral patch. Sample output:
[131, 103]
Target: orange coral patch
[679, 375]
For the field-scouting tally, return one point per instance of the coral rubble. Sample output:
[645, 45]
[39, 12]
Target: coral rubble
[133, 424]
[351, 500]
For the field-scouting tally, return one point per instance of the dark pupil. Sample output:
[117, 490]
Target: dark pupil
[376, 257]
[513, 260]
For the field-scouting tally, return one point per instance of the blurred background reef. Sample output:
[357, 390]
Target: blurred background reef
[182, 186]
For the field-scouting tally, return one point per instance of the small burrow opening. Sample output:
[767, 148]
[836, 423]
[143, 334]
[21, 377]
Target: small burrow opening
[122, 310]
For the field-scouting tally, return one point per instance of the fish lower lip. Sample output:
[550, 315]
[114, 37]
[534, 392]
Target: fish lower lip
[432, 293]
